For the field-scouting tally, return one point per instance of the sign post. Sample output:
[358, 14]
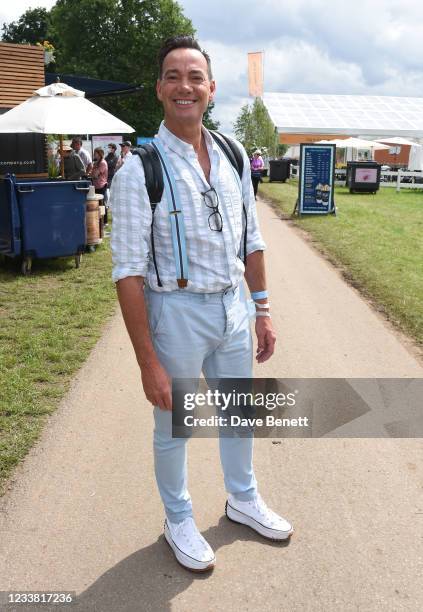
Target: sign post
[316, 187]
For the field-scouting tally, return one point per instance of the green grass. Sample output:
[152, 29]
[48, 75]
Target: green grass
[377, 240]
[49, 322]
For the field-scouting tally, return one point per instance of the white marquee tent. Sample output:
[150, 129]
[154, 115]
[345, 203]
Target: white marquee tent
[373, 116]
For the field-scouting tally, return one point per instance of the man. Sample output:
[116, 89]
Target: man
[178, 331]
[76, 145]
[111, 159]
[72, 163]
[125, 153]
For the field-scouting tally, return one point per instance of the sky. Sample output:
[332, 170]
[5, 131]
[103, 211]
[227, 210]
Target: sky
[310, 46]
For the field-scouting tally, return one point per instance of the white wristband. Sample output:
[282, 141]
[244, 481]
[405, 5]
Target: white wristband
[262, 305]
[259, 313]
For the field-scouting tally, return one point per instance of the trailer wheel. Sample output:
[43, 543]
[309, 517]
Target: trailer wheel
[26, 266]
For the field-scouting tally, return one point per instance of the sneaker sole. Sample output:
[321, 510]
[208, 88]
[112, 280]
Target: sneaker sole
[186, 561]
[271, 534]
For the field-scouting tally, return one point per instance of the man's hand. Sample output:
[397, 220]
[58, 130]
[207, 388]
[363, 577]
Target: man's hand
[157, 385]
[266, 339]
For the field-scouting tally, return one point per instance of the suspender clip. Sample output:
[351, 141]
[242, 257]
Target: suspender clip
[182, 282]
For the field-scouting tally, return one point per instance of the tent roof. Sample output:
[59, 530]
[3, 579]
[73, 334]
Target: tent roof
[353, 115]
[93, 87]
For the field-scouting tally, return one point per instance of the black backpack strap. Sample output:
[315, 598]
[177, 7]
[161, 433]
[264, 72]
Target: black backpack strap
[154, 182]
[153, 173]
[231, 151]
[234, 155]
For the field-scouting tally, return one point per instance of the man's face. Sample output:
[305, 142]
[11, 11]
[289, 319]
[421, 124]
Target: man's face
[124, 149]
[76, 145]
[185, 89]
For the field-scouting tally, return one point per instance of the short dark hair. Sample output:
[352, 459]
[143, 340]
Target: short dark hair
[181, 42]
[112, 145]
[77, 139]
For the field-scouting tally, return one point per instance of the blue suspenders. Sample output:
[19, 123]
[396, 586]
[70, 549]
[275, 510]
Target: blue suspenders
[176, 217]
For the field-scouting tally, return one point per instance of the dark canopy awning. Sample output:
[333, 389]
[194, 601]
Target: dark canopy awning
[94, 88]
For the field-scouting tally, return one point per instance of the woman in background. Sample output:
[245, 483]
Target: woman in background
[257, 165]
[99, 175]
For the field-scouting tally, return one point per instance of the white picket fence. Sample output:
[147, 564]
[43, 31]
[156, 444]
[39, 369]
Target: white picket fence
[401, 179]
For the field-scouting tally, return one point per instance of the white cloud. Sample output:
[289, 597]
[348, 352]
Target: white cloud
[312, 46]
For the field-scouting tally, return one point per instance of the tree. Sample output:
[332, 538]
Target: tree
[209, 122]
[254, 128]
[31, 27]
[118, 40]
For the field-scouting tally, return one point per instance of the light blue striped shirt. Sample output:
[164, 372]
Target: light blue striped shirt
[213, 257]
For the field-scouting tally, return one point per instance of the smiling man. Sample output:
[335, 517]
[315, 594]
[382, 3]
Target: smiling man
[187, 314]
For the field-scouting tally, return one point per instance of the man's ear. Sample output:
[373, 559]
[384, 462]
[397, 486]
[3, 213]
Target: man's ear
[159, 89]
[212, 90]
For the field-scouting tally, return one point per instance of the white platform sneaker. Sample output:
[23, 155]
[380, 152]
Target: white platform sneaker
[259, 517]
[190, 548]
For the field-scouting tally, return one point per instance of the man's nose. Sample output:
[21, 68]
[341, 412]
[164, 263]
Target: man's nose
[184, 84]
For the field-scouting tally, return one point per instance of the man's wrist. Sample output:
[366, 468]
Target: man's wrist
[148, 359]
[259, 295]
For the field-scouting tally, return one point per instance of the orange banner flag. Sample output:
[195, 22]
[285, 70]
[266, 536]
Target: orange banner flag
[255, 74]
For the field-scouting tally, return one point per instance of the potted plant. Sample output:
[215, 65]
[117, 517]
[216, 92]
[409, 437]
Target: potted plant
[48, 51]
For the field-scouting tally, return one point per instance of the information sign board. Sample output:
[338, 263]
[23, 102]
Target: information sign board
[317, 179]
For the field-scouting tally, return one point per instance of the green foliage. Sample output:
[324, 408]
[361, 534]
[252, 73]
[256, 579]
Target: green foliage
[254, 128]
[281, 149]
[208, 120]
[31, 27]
[118, 40]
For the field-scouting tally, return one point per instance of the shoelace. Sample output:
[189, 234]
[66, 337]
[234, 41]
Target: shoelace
[264, 510]
[188, 530]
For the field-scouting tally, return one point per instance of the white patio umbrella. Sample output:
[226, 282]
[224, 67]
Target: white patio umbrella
[335, 141]
[360, 143]
[398, 140]
[60, 109]
[356, 143]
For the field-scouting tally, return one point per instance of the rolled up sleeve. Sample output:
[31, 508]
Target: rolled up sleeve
[132, 217]
[255, 240]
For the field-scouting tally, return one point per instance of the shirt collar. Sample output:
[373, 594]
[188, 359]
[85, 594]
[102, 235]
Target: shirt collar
[180, 146]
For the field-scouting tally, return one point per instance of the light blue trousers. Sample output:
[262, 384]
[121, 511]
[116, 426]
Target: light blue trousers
[194, 333]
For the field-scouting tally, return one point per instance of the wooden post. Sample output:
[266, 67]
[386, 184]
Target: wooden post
[62, 160]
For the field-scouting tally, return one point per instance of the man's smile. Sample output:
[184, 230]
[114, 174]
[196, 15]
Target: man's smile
[185, 102]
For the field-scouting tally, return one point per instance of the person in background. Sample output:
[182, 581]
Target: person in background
[76, 145]
[99, 175]
[73, 164]
[125, 153]
[111, 160]
[257, 165]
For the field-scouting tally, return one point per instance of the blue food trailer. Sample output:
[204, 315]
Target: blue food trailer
[42, 218]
